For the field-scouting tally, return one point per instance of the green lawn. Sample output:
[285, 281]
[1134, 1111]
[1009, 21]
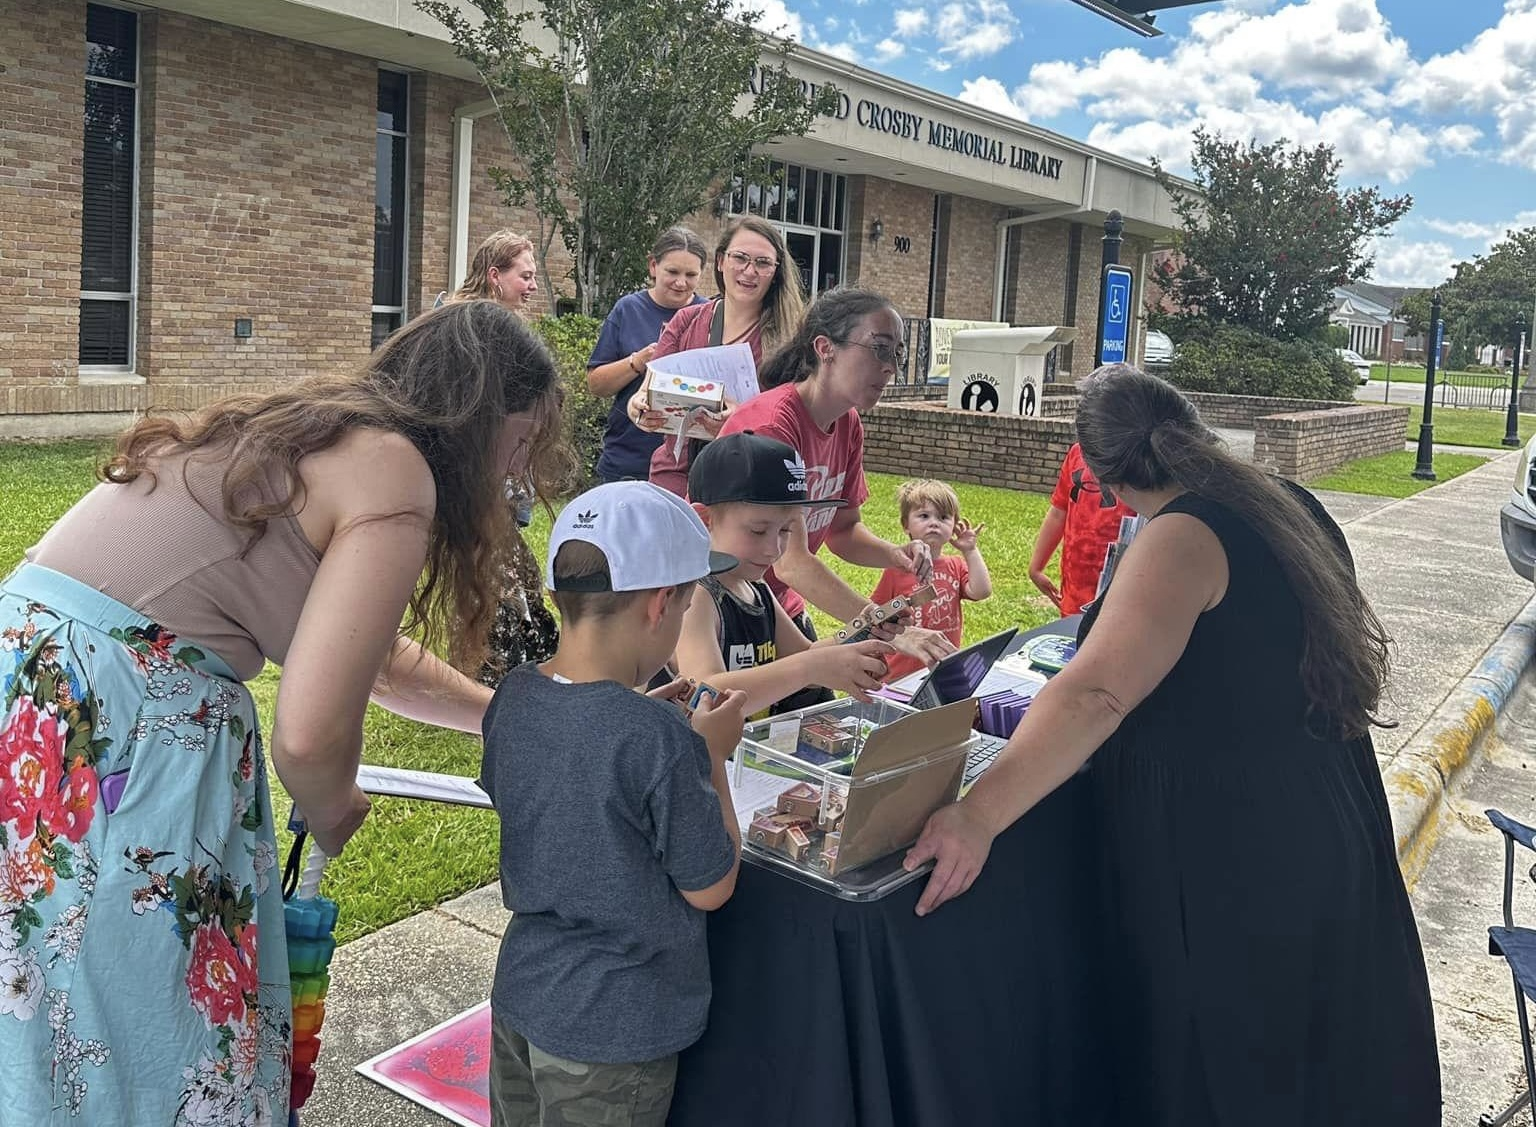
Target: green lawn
[1390, 475]
[1468, 426]
[411, 855]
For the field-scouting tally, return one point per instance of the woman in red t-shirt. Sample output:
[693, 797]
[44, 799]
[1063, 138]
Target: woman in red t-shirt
[846, 351]
[761, 303]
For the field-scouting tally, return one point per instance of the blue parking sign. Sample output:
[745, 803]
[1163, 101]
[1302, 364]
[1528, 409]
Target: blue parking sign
[1115, 314]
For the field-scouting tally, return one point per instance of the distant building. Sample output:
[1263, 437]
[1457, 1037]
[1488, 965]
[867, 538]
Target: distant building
[1370, 313]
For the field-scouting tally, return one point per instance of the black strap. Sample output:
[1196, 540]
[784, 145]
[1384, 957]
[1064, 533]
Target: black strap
[717, 324]
[294, 864]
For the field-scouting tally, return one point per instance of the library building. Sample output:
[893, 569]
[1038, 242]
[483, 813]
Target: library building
[204, 198]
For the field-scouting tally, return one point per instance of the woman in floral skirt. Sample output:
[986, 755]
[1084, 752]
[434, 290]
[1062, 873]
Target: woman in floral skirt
[143, 967]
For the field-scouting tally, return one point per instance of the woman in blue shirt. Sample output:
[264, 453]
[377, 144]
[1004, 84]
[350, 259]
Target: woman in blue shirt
[626, 342]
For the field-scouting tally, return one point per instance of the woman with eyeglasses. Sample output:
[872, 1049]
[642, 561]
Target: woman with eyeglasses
[848, 348]
[760, 304]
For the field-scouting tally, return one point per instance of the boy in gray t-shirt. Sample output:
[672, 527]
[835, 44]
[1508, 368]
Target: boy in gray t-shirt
[617, 830]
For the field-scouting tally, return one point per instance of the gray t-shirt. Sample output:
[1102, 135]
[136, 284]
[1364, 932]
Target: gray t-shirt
[606, 812]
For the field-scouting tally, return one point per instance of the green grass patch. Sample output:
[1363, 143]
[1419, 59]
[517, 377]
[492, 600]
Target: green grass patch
[1391, 475]
[409, 856]
[1468, 426]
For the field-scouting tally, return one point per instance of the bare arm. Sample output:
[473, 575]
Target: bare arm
[422, 686]
[607, 380]
[1046, 542]
[380, 497]
[1174, 571]
[815, 581]
[719, 721]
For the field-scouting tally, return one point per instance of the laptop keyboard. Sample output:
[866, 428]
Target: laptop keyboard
[982, 756]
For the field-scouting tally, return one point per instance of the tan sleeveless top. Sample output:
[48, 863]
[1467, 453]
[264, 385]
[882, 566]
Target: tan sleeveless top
[164, 548]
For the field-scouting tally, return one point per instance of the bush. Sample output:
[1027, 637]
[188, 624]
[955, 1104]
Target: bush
[1228, 360]
[1336, 336]
[571, 339]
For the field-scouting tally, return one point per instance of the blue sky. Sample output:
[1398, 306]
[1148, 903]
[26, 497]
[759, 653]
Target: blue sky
[1435, 98]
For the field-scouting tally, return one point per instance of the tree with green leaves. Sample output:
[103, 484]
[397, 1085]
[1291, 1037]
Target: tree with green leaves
[1269, 234]
[1489, 299]
[630, 120]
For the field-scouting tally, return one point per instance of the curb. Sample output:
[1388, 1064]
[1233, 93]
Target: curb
[1423, 771]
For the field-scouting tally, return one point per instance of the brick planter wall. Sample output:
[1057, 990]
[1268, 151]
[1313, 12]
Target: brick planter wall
[929, 440]
[1241, 410]
[1302, 445]
[915, 392]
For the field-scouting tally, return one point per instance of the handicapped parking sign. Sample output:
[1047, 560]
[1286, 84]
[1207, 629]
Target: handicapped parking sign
[1115, 314]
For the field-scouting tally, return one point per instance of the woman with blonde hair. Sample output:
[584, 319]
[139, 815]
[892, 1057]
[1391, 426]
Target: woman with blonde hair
[503, 270]
[761, 303]
[142, 951]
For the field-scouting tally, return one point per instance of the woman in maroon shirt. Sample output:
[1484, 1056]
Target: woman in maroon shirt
[761, 304]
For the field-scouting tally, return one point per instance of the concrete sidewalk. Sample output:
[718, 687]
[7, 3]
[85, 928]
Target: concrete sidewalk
[1431, 564]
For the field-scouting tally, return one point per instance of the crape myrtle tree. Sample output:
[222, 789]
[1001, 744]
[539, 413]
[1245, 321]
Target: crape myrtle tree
[624, 116]
[1269, 234]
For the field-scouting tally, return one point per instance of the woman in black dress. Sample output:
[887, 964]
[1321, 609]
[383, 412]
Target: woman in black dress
[1264, 966]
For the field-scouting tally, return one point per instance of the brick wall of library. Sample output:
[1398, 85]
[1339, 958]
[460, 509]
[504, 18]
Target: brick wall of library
[42, 86]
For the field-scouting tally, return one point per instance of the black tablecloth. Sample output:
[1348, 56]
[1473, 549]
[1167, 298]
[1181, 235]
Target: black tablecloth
[828, 1013]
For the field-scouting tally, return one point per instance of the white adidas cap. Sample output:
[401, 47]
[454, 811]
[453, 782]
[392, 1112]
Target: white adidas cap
[651, 539]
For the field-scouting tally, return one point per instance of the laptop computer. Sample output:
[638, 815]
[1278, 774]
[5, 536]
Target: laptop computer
[957, 676]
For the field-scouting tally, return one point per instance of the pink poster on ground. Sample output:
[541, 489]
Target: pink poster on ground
[446, 1069]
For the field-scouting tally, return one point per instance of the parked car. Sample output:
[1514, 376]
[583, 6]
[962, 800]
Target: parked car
[1159, 350]
[1517, 519]
[1359, 363]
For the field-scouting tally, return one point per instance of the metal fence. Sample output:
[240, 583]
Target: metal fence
[1474, 390]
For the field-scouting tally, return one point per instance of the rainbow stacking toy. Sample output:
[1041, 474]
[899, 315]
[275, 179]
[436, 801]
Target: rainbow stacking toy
[310, 921]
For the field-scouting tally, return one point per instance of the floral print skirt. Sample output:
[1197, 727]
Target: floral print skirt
[143, 967]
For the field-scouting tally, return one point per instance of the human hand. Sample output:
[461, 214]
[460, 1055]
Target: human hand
[965, 535]
[856, 669]
[913, 556]
[719, 717]
[958, 844]
[638, 360]
[677, 691]
[927, 646]
[642, 416]
[713, 421]
[335, 829]
[1047, 588]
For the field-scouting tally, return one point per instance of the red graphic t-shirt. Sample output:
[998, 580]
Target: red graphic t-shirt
[1090, 530]
[834, 462]
[950, 575]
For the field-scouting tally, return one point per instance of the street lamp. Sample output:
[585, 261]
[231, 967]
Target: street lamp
[1424, 466]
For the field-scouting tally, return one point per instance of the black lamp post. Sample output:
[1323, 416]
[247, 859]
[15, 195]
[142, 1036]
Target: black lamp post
[1424, 469]
[1512, 419]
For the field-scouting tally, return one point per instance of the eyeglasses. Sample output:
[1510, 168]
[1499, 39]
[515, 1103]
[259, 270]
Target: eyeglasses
[762, 264]
[884, 350]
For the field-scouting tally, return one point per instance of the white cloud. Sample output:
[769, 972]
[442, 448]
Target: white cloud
[1309, 71]
[888, 49]
[910, 21]
[1403, 263]
[973, 29]
[1483, 234]
[774, 18]
[1493, 74]
[843, 50]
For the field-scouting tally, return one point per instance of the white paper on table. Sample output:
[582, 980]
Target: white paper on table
[752, 789]
[399, 782]
[730, 365]
[999, 679]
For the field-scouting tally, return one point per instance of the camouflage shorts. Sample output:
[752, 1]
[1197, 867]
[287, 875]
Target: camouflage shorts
[531, 1088]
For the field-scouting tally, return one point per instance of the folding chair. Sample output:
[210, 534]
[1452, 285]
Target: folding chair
[1518, 946]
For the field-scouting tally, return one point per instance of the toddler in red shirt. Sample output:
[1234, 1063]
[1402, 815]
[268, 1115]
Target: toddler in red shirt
[1085, 521]
[930, 512]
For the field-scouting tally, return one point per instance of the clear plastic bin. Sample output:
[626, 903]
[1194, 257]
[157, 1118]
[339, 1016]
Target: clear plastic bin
[858, 783]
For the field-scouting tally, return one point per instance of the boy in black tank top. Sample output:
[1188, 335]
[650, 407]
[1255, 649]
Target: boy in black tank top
[750, 490]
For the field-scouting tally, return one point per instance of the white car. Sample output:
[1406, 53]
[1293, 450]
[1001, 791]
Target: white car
[1517, 519]
[1159, 350]
[1359, 363]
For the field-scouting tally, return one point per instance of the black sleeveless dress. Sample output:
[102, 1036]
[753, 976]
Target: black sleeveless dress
[1266, 965]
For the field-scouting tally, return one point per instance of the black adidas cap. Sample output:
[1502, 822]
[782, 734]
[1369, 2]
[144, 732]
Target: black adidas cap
[752, 468]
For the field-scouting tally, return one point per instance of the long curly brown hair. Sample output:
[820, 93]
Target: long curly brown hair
[447, 381]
